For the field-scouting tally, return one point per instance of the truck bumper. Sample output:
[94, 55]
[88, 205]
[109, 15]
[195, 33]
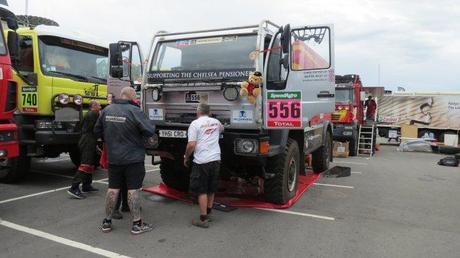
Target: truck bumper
[228, 145]
[56, 137]
[343, 132]
[9, 147]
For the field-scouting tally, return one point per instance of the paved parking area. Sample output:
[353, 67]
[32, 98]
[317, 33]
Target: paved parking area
[393, 205]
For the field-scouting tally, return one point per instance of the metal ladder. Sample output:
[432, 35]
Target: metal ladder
[366, 140]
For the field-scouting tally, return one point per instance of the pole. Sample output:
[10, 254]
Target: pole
[378, 72]
[27, 13]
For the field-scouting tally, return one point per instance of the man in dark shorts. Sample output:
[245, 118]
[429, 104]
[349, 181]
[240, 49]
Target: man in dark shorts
[88, 153]
[124, 127]
[203, 143]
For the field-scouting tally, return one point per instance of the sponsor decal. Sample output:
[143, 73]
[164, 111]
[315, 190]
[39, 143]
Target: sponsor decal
[243, 116]
[30, 110]
[218, 74]
[284, 109]
[155, 114]
[29, 89]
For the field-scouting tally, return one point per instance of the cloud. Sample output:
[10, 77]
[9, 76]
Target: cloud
[416, 43]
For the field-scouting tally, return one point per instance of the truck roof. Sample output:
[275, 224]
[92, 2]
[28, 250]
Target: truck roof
[44, 30]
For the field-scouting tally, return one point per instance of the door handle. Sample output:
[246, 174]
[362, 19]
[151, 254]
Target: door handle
[325, 94]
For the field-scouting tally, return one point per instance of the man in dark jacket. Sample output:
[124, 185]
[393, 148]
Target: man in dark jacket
[124, 127]
[87, 146]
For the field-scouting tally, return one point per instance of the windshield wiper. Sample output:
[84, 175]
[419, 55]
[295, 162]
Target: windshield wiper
[77, 76]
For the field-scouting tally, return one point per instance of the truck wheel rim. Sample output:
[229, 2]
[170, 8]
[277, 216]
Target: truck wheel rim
[292, 179]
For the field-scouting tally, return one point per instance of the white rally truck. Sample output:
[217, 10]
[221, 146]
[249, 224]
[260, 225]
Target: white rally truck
[265, 141]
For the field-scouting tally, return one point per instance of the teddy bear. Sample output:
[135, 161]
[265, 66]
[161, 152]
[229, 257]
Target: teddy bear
[251, 87]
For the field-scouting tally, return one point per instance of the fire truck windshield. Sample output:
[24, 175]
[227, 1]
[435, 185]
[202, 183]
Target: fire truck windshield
[344, 95]
[205, 54]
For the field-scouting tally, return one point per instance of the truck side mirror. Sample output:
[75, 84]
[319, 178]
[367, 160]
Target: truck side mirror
[13, 47]
[285, 61]
[32, 78]
[286, 38]
[116, 61]
[12, 23]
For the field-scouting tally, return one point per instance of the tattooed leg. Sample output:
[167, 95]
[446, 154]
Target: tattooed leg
[134, 202]
[110, 201]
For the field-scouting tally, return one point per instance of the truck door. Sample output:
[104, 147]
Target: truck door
[126, 67]
[300, 91]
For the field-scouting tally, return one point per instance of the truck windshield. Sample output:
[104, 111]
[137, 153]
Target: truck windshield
[73, 59]
[344, 96]
[211, 54]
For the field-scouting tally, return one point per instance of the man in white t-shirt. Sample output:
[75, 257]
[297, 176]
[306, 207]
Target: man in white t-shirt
[203, 142]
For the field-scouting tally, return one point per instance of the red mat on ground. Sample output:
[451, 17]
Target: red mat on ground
[241, 201]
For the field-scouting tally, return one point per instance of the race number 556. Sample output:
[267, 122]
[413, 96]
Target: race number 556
[284, 110]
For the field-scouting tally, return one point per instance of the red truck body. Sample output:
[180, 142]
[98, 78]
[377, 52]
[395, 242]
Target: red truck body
[349, 113]
[9, 147]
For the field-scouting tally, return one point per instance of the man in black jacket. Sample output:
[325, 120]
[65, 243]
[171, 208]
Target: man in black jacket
[87, 146]
[124, 127]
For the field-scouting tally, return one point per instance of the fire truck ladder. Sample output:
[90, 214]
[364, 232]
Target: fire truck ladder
[366, 140]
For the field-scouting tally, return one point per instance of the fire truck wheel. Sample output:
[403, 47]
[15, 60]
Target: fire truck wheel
[285, 167]
[354, 145]
[17, 168]
[322, 156]
[174, 174]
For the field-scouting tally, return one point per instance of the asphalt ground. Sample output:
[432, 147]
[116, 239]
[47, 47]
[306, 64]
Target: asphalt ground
[393, 205]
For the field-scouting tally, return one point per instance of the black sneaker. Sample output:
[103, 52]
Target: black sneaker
[106, 226]
[117, 215]
[76, 193]
[141, 228]
[200, 223]
[88, 189]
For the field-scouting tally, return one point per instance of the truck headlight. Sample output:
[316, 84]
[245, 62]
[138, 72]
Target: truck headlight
[78, 99]
[246, 146]
[63, 99]
[231, 93]
[156, 94]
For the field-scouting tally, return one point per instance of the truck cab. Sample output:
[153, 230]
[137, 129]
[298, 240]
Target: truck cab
[265, 138]
[58, 73]
[9, 147]
[348, 115]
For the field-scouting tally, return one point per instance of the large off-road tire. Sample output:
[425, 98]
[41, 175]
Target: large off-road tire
[353, 145]
[322, 156]
[285, 167]
[17, 168]
[174, 174]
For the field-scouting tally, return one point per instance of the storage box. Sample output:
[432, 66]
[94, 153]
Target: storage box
[409, 131]
[341, 150]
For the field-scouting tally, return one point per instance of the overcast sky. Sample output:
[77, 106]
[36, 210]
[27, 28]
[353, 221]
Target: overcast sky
[415, 42]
